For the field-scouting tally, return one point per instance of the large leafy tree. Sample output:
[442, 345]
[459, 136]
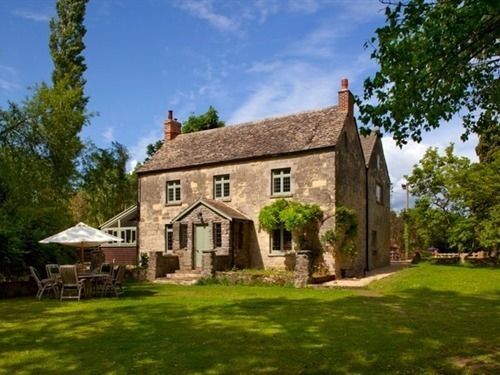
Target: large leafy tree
[107, 187]
[39, 149]
[62, 110]
[436, 59]
[457, 202]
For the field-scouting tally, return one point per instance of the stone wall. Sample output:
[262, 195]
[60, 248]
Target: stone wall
[378, 212]
[351, 179]
[160, 264]
[312, 182]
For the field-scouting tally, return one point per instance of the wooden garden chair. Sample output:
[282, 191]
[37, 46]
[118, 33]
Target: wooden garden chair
[70, 283]
[115, 284]
[43, 284]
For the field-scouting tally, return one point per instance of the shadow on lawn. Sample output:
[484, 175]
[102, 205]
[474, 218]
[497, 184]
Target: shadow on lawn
[418, 331]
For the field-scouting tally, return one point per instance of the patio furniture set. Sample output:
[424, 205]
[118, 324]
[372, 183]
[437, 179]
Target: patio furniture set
[66, 282]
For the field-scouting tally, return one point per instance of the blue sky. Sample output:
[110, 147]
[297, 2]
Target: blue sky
[249, 59]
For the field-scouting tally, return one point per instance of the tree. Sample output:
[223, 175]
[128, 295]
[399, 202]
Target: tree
[457, 202]
[205, 121]
[61, 109]
[66, 46]
[437, 59]
[107, 188]
[39, 149]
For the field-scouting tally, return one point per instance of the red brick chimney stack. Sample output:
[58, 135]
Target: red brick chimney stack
[171, 127]
[346, 99]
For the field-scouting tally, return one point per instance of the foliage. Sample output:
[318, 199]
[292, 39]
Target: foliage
[144, 260]
[436, 59]
[205, 121]
[107, 188]
[197, 329]
[342, 238]
[457, 202]
[39, 149]
[152, 148]
[299, 218]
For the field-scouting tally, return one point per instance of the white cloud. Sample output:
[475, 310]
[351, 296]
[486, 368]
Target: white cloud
[108, 134]
[8, 78]
[138, 150]
[203, 9]
[306, 6]
[32, 15]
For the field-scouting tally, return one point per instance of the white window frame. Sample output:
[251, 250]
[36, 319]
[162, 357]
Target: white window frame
[281, 174]
[169, 232]
[174, 186]
[222, 181]
[215, 232]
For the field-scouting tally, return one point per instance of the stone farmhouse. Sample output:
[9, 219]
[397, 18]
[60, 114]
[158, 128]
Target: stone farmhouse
[204, 190]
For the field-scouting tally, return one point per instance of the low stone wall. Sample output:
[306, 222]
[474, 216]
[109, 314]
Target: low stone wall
[247, 278]
[159, 264]
[13, 289]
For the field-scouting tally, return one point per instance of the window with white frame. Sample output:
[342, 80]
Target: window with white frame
[378, 161]
[281, 181]
[169, 237]
[281, 240]
[173, 191]
[217, 231]
[378, 193]
[222, 187]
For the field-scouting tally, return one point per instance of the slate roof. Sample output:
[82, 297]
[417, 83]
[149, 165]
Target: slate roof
[368, 144]
[272, 136]
[216, 206]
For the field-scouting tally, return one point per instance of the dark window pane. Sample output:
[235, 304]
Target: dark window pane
[276, 239]
[226, 189]
[178, 193]
[218, 191]
[286, 184]
[183, 236]
[169, 236]
[217, 235]
[287, 240]
[277, 185]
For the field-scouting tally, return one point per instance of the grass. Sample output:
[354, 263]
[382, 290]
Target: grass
[426, 319]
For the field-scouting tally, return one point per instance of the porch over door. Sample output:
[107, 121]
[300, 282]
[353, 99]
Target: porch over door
[201, 242]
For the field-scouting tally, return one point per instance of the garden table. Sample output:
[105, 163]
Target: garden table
[93, 280]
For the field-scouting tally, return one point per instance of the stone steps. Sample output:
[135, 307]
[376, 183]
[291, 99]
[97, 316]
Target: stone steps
[180, 277]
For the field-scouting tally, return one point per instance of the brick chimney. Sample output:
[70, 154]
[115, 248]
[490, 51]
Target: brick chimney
[171, 127]
[346, 99]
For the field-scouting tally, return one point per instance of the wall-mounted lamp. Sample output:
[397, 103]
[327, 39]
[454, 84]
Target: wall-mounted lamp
[200, 216]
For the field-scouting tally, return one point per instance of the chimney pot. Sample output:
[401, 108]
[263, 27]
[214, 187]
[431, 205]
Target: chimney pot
[171, 127]
[344, 84]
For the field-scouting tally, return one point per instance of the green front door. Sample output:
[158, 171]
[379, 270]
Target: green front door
[200, 243]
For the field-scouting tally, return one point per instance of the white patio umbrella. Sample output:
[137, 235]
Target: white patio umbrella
[82, 236]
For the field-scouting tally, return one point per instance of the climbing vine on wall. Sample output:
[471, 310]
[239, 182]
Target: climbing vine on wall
[294, 216]
[342, 237]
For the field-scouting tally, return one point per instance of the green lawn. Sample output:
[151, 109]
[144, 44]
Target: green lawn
[427, 319]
